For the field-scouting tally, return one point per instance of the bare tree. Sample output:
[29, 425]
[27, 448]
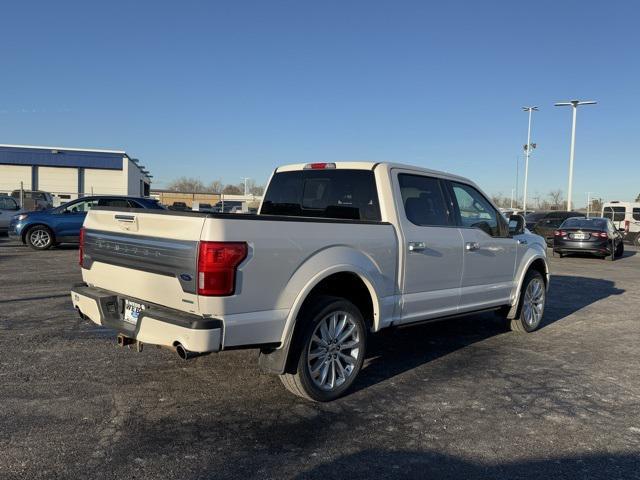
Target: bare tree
[184, 184]
[233, 190]
[500, 200]
[596, 205]
[256, 190]
[555, 197]
[216, 186]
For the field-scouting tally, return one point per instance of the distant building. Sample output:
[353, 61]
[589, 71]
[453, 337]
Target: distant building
[68, 173]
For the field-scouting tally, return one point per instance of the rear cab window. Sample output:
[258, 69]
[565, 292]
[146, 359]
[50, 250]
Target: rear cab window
[331, 193]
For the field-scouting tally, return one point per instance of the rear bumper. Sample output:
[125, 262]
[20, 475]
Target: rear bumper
[155, 325]
[598, 247]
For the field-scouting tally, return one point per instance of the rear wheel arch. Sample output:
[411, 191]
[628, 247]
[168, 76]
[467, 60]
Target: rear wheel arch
[348, 285]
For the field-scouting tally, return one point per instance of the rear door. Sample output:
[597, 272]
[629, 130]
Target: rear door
[489, 252]
[432, 248]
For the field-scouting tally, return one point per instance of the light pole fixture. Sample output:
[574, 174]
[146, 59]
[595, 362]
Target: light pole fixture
[245, 184]
[527, 151]
[574, 104]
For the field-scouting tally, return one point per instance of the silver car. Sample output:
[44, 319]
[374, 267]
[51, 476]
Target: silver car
[8, 208]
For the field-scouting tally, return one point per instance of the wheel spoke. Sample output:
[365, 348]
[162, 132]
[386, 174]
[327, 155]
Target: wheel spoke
[340, 327]
[349, 345]
[346, 334]
[317, 353]
[350, 360]
[323, 375]
[324, 332]
[319, 341]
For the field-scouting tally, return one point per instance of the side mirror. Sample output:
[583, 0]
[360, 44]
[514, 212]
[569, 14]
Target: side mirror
[516, 225]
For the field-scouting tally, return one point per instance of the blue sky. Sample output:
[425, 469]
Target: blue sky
[232, 89]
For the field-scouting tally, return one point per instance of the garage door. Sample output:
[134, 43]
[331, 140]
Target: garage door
[58, 180]
[12, 175]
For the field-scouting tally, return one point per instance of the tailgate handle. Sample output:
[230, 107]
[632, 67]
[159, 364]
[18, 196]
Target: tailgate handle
[125, 218]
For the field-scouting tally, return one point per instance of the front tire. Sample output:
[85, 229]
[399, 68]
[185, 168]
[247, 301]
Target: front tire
[39, 237]
[533, 297]
[329, 352]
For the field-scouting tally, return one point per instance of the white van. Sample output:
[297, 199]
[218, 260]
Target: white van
[626, 217]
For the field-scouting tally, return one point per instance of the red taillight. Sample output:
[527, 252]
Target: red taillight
[602, 235]
[559, 233]
[217, 264]
[556, 233]
[81, 248]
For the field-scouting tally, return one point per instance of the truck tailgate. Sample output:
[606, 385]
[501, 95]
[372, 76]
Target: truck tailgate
[148, 256]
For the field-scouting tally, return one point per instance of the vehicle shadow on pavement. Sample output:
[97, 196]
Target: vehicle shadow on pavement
[569, 293]
[389, 464]
[392, 352]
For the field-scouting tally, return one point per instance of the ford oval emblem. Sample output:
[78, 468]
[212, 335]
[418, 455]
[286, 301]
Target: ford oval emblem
[186, 277]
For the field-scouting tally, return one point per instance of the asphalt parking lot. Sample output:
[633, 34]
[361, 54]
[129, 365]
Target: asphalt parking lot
[463, 399]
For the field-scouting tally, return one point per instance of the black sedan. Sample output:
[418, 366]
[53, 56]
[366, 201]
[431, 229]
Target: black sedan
[596, 236]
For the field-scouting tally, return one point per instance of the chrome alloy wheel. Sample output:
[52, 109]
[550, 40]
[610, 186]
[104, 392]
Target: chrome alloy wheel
[333, 351]
[40, 238]
[533, 304]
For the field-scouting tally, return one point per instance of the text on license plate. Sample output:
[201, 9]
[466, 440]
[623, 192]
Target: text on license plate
[132, 311]
[579, 236]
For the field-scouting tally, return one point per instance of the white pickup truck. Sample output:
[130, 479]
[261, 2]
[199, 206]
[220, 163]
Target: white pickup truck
[337, 252]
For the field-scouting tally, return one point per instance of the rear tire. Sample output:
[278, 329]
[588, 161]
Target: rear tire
[39, 237]
[620, 250]
[533, 297]
[329, 350]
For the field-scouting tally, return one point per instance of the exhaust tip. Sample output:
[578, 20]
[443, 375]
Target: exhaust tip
[182, 352]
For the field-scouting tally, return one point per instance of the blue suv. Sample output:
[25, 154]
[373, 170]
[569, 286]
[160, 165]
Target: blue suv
[45, 228]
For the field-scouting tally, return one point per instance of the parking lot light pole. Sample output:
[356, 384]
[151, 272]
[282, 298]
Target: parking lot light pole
[574, 104]
[245, 184]
[588, 203]
[527, 151]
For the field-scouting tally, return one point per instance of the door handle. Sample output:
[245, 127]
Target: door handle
[522, 242]
[125, 218]
[472, 246]
[416, 246]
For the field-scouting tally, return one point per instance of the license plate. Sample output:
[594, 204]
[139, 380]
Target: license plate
[132, 311]
[579, 236]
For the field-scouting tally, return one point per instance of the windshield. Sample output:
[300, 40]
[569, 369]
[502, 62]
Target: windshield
[589, 223]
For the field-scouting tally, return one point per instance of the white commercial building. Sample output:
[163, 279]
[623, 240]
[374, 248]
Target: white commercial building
[68, 173]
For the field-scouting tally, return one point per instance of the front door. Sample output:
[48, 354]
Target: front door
[489, 252]
[432, 248]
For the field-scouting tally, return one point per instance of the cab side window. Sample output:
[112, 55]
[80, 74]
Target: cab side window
[476, 211]
[81, 207]
[8, 203]
[113, 202]
[423, 200]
